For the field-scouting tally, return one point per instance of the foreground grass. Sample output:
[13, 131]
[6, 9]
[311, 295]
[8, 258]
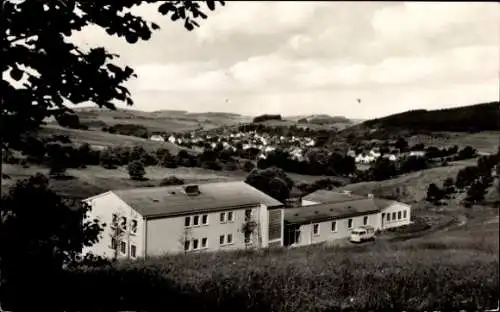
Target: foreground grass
[431, 274]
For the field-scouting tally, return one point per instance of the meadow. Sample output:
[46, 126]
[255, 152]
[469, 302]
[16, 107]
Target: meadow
[92, 180]
[414, 184]
[452, 270]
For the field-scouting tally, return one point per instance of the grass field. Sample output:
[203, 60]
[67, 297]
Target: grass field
[158, 121]
[453, 269]
[104, 139]
[414, 184]
[95, 179]
[486, 141]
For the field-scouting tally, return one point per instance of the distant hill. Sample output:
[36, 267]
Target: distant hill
[156, 121]
[472, 118]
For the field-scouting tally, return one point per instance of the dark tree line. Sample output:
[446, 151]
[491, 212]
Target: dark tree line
[473, 118]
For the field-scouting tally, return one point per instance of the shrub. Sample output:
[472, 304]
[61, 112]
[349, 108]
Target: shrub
[136, 170]
[171, 180]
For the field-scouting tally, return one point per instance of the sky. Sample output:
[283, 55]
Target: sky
[301, 58]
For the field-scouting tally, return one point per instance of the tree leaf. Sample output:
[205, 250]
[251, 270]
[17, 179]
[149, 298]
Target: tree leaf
[211, 5]
[155, 26]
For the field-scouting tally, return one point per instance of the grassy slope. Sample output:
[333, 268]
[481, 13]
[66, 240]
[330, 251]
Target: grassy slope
[94, 180]
[414, 183]
[435, 273]
[486, 141]
[161, 121]
[95, 137]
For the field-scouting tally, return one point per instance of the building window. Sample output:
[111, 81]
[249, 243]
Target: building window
[404, 214]
[349, 223]
[334, 226]
[123, 247]
[316, 229]
[186, 245]
[114, 244]
[187, 221]
[221, 239]
[123, 223]
[399, 215]
[204, 219]
[394, 216]
[248, 235]
[133, 226]
[230, 216]
[388, 217]
[248, 214]
[133, 251]
[196, 220]
[222, 217]
[204, 242]
[229, 238]
[365, 220]
[195, 244]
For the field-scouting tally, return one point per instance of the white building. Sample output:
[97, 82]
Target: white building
[329, 216]
[160, 220]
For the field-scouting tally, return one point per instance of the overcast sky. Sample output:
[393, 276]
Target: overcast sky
[317, 57]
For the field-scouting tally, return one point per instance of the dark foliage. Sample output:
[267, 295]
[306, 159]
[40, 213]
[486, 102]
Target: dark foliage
[136, 170]
[266, 117]
[272, 181]
[171, 180]
[65, 72]
[39, 234]
[473, 118]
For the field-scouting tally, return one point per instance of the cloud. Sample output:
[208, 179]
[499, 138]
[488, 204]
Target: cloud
[277, 56]
[257, 18]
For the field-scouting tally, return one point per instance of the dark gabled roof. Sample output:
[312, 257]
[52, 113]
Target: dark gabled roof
[327, 196]
[155, 202]
[334, 210]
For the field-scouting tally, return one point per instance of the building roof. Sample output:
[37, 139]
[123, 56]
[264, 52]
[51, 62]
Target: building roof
[327, 196]
[334, 210]
[155, 202]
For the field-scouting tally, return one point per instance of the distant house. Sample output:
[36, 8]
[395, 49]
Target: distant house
[417, 153]
[172, 139]
[157, 137]
[188, 218]
[327, 216]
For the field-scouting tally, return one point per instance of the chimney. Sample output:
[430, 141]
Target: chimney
[370, 195]
[192, 190]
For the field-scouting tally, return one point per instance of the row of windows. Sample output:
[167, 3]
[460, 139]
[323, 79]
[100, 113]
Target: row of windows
[123, 224]
[123, 247]
[397, 215]
[334, 225]
[195, 244]
[223, 218]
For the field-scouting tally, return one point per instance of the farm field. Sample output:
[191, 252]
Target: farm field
[95, 179]
[103, 139]
[157, 121]
[486, 141]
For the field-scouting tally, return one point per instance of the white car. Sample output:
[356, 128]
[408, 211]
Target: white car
[362, 233]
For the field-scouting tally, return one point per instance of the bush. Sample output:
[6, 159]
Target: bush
[136, 170]
[171, 180]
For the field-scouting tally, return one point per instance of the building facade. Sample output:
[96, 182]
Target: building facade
[193, 218]
[327, 216]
